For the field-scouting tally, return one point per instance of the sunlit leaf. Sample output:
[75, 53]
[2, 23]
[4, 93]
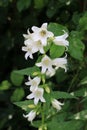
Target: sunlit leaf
[5, 85]
[16, 78]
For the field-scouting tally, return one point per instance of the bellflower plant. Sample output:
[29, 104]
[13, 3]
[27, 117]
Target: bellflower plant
[42, 99]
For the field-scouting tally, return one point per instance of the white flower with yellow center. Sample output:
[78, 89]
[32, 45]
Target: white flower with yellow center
[41, 34]
[46, 64]
[31, 115]
[39, 47]
[60, 63]
[28, 51]
[29, 48]
[61, 40]
[33, 83]
[37, 95]
[56, 104]
[32, 47]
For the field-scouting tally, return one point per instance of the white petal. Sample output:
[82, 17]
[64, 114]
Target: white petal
[50, 34]
[27, 83]
[38, 64]
[30, 96]
[24, 48]
[37, 79]
[43, 69]
[33, 88]
[42, 51]
[36, 101]
[44, 41]
[42, 99]
[35, 29]
[44, 25]
[26, 55]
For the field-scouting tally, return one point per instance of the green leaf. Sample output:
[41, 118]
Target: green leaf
[17, 95]
[64, 95]
[82, 115]
[83, 81]
[56, 51]
[23, 4]
[24, 104]
[39, 4]
[83, 22]
[36, 124]
[60, 75]
[5, 85]
[28, 71]
[81, 92]
[68, 125]
[76, 48]
[16, 78]
[57, 29]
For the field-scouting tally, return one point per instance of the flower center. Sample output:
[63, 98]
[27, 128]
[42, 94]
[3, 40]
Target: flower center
[34, 83]
[43, 33]
[38, 93]
[28, 49]
[39, 43]
[46, 62]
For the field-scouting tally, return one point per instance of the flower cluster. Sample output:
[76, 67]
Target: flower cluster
[35, 42]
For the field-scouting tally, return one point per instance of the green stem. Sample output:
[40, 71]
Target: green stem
[43, 118]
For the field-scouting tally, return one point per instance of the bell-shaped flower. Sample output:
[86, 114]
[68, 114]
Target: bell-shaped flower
[30, 116]
[39, 47]
[61, 40]
[56, 104]
[60, 63]
[33, 83]
[29, 48]
[37, 95]
[46, 64]
[41, 34]
[28, 51]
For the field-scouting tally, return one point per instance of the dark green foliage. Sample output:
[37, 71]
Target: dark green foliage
[16, 16]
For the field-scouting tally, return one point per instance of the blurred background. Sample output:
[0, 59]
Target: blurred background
[16, 16]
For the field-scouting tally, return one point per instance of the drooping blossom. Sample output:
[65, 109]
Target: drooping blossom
[37, 95]
[41, 34]
[33, 83]
[30, 116]
[46, 64]
[60, 63]
[56, 104]
[61, 40]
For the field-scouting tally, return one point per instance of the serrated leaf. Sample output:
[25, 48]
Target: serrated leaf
[64, 95]
[24, 104]
[16, 78]
[17, 95]
[23, 4]
[56, 51]
[57, 29]
[28, 71]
